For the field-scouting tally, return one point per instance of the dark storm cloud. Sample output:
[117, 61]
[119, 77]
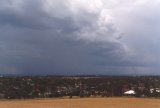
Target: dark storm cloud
[57, 37]
[26, 16]
[56, 55]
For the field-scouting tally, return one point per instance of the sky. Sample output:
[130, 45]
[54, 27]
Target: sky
[80, 37]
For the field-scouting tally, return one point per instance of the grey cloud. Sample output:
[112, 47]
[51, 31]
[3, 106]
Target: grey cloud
[35, 40]
[36, 52]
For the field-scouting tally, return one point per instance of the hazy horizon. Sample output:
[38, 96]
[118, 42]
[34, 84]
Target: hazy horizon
[79, 37]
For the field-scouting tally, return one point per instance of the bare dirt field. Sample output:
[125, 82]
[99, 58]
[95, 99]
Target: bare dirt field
[83, 103]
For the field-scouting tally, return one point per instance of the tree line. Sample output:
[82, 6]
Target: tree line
[53, 86]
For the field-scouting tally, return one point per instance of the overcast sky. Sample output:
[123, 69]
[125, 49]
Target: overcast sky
[79, 37]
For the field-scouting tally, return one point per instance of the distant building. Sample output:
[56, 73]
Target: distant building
[130, 92]
[155, 89]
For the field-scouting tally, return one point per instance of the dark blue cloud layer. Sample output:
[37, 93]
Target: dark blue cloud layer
[36, 42]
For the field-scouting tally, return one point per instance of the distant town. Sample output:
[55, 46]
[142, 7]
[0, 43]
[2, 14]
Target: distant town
[27, 87]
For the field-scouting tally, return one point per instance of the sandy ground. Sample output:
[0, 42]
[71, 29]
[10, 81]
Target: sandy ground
[83, 103]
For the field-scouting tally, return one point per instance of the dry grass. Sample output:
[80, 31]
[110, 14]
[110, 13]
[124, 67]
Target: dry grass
[83, 103]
